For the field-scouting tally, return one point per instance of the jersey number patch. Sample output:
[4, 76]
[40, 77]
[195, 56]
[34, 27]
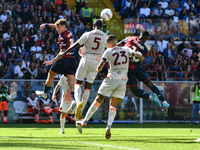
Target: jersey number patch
[96, 40]
[117, 57]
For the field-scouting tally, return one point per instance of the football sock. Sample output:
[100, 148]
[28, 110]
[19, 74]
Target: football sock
[93, 108]
[141, 93]
[46, 88]
[159, 94]
[62, 123]
[85, 98]
[111, 116]
[77, 93]
[72, 96]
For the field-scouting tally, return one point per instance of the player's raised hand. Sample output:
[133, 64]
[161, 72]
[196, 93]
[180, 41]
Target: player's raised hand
[48, 63]
[42, 26]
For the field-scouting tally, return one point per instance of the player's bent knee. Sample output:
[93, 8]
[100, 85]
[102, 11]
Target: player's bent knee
[100, 98]
[62, 115]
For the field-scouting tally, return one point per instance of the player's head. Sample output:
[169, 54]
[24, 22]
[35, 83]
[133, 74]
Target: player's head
[98, 24]
[111, 41]
[60, 25]
[2, 83]
[144, 35]
[32, 95]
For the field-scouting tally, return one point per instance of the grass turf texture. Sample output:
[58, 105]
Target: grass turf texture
[126, 136]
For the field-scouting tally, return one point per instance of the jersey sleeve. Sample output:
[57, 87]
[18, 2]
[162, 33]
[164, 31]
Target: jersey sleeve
[105, 56]
[130, 52]
[83, 39]
[124, 40]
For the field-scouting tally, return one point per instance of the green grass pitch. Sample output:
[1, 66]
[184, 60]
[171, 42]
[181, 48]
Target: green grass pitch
[126, 136]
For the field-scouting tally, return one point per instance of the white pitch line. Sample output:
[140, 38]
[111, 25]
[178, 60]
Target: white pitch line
[70, 142]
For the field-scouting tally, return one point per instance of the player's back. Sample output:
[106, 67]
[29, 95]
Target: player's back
[118, 58]
[94, 42]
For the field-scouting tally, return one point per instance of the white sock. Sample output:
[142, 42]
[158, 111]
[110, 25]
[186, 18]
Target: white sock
[77, 93]
[85, 98]
[111, 116]
[93, 108]
[62, 124]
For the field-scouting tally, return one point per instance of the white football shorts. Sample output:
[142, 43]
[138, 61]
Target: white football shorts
[114, 87]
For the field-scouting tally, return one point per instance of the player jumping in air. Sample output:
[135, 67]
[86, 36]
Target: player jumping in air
[94, 45]
[115, 83]
[66, 65]
[138, 73]
[65, 101]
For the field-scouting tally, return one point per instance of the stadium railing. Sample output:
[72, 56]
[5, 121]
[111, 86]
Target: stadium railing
[177, 93]
[184, 73]
[156, 77]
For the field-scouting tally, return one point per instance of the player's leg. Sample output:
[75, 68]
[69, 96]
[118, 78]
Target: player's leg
[86, 94]
[36, 115]
[48, 84]
[5, 111]
[62, 122]
[157, 91]
[0, 110]
[71, 82]
[93, 108]
[78, 91]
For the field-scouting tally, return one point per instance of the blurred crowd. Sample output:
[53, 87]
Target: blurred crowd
[24, 47]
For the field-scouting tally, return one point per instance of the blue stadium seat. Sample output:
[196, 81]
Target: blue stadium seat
[19, 59]
[184, 18]
[158, 1]
[10, 74]
[179, 10]
[23, 53]
[143, 16]
[12, 67]
[123, 3]
[19, 95]
[6, 52]
[182, 2]
[154, 8]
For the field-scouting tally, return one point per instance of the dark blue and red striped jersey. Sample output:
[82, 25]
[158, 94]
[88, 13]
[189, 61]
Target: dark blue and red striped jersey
[65, 40]
[135, 44]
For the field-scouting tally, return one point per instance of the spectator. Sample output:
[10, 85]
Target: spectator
[6, 36]
[87, 29]
[62, 15]
[12, 57]
[4, 61]
[193, 65]
[164, 4]
[160, 73]
[50, 38]
[25, 62]
[145, 10]
[176, 17]
[33, 58]
[69, 22]
[4, 17]
[173, 45]
[194, 57]
[67, 11]
[193, 11]
[158, 11]
[190, 74]
[131, 11]
[164, 16]
[24, 45]
[44, 57]
[54, 55]
[182, 45]
[162, 44]
[37, 36]
[189, 50]
[33, 105]
[45, 108]
[33, 69]
[152, 17]
[197, 5]
[183, 13]
[86, 14]
[191, 21]
[169, 54]
[154, 52]
[148, 59]
[43, 73]
[78, 24]
[37, 50]
[128, 3]
[174, 4]
[188, 4]
[4, 71]
[184, 56]
[193, 44]
[42, 41]
[17, 69]
[25, 15]
[17, 48]
[28, 25]
[196, 102]
[169, 11]
[26, 74]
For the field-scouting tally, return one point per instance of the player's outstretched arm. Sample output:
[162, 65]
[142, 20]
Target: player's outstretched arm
[100, 66]
[55, 91]
[61, 54]
[42, 26]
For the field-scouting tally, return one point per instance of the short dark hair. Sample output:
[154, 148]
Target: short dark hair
[183, 39]
[61, 22]
[98, 23]
[145, 33]
[110, 38]
[32, 91]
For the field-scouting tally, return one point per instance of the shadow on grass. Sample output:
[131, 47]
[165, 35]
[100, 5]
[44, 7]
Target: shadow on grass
[145, 125]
